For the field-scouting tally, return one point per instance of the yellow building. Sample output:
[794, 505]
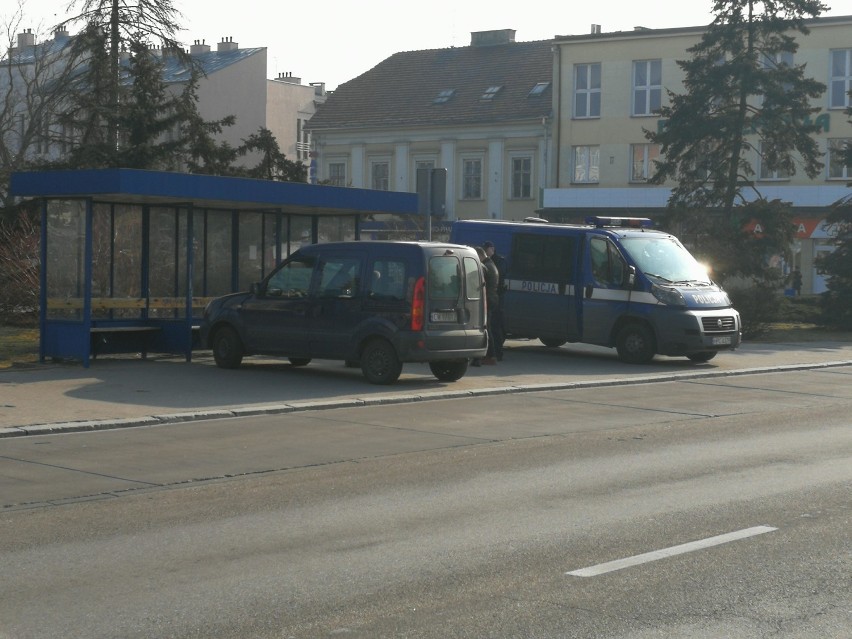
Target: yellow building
[479, 112]
[608, 88]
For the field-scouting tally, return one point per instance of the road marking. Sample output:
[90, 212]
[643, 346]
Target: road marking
[618, 564]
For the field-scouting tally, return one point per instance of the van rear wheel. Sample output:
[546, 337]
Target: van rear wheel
[379, 362]
[703, 356]
[449, 371]
[635, 344]
[552, 342]
[299, 361]
[227, 348]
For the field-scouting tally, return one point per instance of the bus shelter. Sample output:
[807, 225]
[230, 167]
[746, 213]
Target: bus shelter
[130, 258]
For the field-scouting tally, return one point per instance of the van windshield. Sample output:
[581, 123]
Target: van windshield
[664, 258]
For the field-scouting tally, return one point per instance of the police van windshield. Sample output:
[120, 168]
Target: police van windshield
[664, 258]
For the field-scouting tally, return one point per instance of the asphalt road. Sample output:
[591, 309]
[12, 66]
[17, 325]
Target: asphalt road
[455, 518]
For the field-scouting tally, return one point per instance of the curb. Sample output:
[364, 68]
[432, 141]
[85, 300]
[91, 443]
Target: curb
[382, 400]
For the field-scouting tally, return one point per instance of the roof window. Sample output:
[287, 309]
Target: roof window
[490, 93]
[538, 89]
[444, 96]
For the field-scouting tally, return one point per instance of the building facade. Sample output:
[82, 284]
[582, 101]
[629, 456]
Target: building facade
[234, 83]
[608, 88]
[480, 113]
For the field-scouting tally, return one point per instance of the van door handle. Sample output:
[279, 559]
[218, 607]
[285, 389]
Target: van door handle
[589, 290]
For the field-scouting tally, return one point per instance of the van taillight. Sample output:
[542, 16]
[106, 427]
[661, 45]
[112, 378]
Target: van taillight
[418, 305]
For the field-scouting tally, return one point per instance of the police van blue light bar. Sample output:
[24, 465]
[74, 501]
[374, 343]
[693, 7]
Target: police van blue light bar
[628, 222]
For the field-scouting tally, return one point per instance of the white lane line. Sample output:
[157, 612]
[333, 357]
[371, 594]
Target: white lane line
[618, 564]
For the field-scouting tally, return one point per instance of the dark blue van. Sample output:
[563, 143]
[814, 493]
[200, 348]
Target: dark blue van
[615, 282]
[380, 304]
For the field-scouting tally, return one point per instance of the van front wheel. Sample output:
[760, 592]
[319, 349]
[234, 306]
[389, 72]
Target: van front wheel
[635, 344]
[227, 348]
[379, 362]
[449, 371]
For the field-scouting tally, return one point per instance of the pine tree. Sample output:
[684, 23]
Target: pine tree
[273, 164]
[837, 265]
[743, 97]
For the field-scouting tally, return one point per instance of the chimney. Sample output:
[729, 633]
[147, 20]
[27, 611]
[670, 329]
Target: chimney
[227, 44]
[61, 34]
[26, 39]
[319, 88]
[596, 29]
[288, 77]
[491, 38]
[198, 47]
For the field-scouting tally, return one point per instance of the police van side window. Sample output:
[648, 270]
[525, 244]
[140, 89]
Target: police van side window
[543, 258]
[387, 280]
[607, 263]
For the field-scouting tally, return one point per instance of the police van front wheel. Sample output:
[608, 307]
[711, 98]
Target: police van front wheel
[635, 344]
[552, 342]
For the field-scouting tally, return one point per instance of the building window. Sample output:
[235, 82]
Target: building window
[642, 161]
[838, 169]
[303, 140]
[490, 93]
[472, 179]
[841, 78]
[587, 162]
[647, 86]
[768, 172]
[337, 173]
[380, 176]
[521, 186]
[587, 90]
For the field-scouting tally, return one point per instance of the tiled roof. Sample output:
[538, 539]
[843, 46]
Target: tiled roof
[401, 90]
[175, 70]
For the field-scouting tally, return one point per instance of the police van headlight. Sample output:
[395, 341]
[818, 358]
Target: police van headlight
[668, 296]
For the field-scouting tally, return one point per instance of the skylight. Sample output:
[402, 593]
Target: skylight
[490, 93]
[538, 89]
[444, 96]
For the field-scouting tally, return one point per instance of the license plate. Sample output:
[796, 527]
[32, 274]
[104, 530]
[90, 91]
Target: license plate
[444, 316]
[720, 340]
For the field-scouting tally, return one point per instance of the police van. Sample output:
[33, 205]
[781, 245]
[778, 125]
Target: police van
[613, 282]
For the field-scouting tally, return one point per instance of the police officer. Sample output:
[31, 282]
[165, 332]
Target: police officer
[496, 314]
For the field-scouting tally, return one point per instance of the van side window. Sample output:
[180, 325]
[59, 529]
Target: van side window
[473, 278]
[543, 258]
[444, 277]
[292, 280]
[387, 280]
[607, 263]
[339, 277]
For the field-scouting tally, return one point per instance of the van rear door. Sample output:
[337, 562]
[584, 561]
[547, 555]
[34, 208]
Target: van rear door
[451, 313]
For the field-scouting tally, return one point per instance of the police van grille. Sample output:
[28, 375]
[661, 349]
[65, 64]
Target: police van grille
[718, 324]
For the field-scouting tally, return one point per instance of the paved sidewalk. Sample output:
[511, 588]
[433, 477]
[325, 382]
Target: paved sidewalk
[124, 391]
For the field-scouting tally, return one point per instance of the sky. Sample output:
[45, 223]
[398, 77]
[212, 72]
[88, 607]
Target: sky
[333, 41]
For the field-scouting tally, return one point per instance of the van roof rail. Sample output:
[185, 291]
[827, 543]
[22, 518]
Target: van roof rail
[536, 220]
[600, 221]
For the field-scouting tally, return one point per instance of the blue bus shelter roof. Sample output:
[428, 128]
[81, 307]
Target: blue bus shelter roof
[208, 191]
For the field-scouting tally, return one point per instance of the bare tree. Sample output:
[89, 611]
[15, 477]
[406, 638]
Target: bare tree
[34, 75]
